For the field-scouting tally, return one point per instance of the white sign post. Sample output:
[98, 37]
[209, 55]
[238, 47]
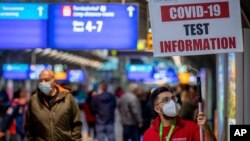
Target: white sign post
[195, 27]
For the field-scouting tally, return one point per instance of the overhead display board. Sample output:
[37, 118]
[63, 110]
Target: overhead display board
[93, 26]
[60, 72]
[194, 27]
[15, 71]
[76, 76]
[139, 72]
[36, 69]
[23, 25]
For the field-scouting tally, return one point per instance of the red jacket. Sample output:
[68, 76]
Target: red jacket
[183, 131]
[90, 117]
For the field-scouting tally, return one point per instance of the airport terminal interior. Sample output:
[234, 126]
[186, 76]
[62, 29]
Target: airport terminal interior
[85, 42]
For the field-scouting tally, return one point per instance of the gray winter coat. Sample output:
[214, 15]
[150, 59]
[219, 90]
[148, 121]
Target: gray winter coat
[130, 109]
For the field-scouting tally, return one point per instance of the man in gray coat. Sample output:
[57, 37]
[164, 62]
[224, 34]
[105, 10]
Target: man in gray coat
[130, 109]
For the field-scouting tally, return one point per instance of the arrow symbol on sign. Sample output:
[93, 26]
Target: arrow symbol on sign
[131, 10]
[40, 11]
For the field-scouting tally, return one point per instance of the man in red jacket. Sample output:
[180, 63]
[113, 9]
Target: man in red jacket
[167, 126]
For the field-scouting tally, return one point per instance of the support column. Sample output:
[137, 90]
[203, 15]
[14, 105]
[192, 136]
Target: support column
[242, 82]
[246, 111]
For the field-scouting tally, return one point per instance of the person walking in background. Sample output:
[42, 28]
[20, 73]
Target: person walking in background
[195, 99]
[119, 92]
[16, 114]
[168, 125]
[104, 105]
[129, 107]
[4, 104]
[177, 92]
[187, 110]
[193, 94]
[146, 112]
[52, 113]
[89, 113]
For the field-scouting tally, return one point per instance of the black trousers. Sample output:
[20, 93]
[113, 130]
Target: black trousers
[130, 132]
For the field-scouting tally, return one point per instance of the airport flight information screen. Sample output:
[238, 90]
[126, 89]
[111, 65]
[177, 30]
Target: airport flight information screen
[93, 26]
[23, 26]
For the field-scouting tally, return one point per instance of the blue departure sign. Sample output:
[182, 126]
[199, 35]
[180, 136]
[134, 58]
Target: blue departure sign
[23, 26]
[93, 26]
[36, 69]
[76, 76]
[15, 71]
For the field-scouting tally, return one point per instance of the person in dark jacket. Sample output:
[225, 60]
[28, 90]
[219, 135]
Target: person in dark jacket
[16, 112]
[187, 110]
[104, 105]
[146, 112]
[4, 104]
[52, 113]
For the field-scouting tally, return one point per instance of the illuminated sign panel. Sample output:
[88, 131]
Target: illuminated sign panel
[23, 26]
[93, 26]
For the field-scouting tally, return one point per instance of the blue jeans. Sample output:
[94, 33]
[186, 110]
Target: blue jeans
[105, 130]
[130, 132]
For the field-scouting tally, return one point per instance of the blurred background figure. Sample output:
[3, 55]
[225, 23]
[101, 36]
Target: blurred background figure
[14, 121]
[80, 95]
[89, 114]
[130, 110]
[104, 105]
[177, 92]
[187, 110]
[119, 92]
[193, 95]
[145, 111]
[4, 104]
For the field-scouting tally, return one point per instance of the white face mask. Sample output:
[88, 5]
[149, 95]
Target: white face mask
[170, 109]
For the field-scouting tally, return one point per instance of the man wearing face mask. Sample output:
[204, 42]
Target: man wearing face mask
[168, 126]
[52, 113]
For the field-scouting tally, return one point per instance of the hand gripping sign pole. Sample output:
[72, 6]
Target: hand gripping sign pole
[199, 96]
[200, 101]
